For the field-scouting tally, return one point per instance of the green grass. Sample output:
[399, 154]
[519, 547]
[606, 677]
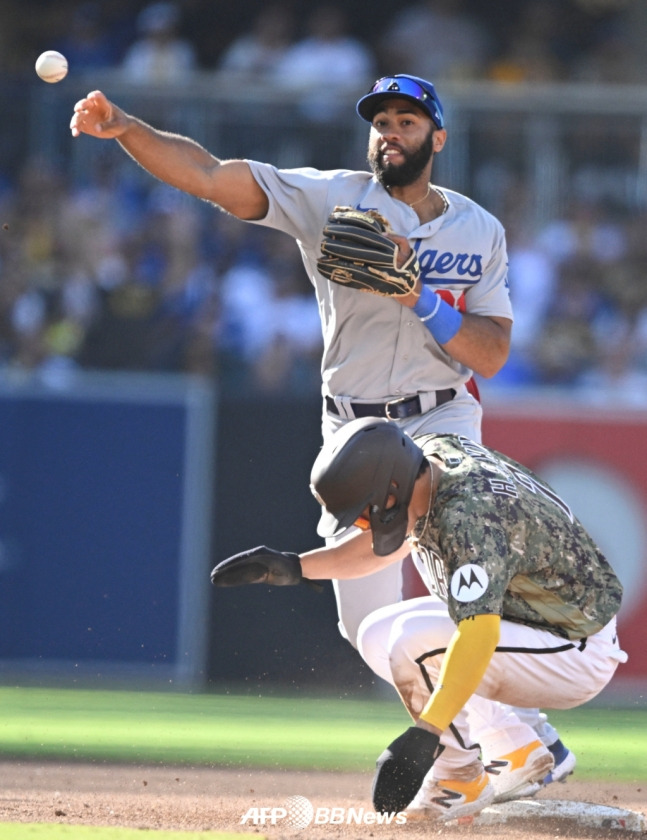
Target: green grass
[610, 744]
[201, 728]
[242, 730]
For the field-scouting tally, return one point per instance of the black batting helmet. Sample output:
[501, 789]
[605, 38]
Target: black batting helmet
[361, 465]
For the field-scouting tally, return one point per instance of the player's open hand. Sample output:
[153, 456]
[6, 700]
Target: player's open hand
[97, 116]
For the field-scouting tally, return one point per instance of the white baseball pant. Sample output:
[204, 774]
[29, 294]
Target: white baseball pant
[406, 643]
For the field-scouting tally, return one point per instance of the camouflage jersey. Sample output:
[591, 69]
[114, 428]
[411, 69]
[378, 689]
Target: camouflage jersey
[498, 540]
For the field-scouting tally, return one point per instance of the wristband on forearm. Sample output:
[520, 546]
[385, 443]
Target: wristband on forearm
[441, 319]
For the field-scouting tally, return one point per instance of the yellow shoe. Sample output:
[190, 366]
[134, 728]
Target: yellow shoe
[520, 773]
[451, 799]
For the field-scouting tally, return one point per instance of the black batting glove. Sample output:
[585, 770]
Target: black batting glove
[402, 768]
[259, 565]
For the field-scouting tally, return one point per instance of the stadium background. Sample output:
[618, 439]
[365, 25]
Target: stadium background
[147, 434]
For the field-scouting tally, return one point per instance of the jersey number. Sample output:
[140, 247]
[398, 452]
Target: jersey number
[433, 571]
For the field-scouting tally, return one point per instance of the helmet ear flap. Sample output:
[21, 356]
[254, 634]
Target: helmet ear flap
[389, 524]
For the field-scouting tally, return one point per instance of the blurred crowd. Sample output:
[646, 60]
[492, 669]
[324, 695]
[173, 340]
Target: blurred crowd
[126, 274]
[506, 41]
[580, 303]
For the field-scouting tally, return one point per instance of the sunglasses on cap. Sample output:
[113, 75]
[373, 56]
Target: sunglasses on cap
[408, 88]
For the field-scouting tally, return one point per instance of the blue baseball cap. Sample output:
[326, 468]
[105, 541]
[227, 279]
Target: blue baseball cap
[403, 86]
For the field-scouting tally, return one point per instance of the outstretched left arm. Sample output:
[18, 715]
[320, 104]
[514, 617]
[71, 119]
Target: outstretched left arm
[351, 558]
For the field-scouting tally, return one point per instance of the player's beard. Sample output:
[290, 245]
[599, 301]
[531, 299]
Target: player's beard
[405, 173]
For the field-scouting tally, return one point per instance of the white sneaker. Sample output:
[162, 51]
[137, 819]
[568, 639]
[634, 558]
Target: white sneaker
[565, 762]
[521, 773]
[451, 799]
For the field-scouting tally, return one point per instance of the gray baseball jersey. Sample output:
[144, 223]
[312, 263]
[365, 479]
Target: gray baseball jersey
[375, 349]
[499, 540]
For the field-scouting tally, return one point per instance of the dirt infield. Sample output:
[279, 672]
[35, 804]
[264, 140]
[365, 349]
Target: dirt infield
[200, 798]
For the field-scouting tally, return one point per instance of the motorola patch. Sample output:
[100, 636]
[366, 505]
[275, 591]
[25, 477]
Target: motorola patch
[468, 583]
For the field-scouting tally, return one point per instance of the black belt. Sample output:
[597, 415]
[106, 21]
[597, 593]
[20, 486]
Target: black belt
[393, 409]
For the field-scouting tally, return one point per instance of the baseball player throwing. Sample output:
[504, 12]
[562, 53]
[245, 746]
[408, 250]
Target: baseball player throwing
[409, 309]
[531, 602]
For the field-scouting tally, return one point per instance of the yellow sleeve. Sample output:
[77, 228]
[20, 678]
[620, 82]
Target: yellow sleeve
[468, 655]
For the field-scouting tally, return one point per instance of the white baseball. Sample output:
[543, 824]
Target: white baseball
[51, 66]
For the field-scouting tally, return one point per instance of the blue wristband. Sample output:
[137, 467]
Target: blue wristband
[441, 319]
